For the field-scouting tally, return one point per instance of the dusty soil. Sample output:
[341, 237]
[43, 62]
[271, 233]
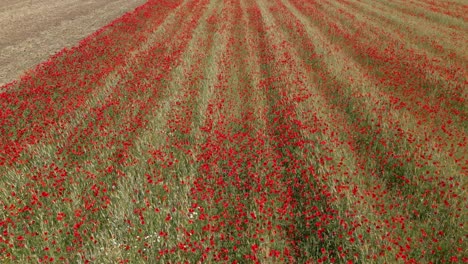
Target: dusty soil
[33, 30]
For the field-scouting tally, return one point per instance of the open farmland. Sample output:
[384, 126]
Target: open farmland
[244, 131]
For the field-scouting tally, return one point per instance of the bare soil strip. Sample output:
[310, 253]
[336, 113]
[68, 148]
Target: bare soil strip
[33, 30]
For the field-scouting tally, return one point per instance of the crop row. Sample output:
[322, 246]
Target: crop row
[243, 131]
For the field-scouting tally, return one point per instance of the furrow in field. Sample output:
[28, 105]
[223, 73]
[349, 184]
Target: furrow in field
[44, 147]
[447, 166]
[148, 173]
[430, 14]
[177, 158]
[64, 131]
[359, 16]
[144, 94]
[88, 150]
[413, 79]
[397, 118]
[126, 112]
[452, 8]
[63, 91]
[448, 42]
[207, 191]
[233, 156]
[408, 73]
[321, 158]
[215, 105]
[159, 57]
[339, 169]
[237, 131]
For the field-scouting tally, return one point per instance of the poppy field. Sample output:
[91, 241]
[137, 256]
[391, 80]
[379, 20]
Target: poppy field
[244, 131]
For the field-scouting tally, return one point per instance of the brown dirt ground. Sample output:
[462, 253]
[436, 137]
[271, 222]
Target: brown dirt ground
[33, 30]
